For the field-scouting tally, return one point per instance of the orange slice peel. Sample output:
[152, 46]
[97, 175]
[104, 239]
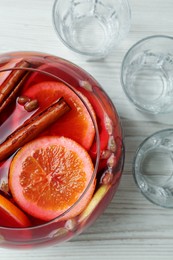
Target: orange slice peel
[11, 215]
[49, 175]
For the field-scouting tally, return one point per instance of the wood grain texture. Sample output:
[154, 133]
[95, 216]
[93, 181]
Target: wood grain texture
[131, 227]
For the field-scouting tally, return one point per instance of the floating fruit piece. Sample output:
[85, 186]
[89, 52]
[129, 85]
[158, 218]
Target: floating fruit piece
[71, 224]
[98, 196]
[72, 78]
[48, 175]
[31, 105]
[22, 100]
[11, 216]
[107, 177]
[77, 124]
[101, 117]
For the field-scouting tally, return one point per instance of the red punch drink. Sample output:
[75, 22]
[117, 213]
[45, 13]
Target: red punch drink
[61, 150]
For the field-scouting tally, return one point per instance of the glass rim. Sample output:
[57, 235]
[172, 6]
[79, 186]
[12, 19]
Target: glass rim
[160, 36]
[98, 55]
[97, 138]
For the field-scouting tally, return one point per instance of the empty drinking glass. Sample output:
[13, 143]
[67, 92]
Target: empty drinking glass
[147, 74]
[153, 168]
[91, 27]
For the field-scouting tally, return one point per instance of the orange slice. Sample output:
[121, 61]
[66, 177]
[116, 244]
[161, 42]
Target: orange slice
[77, 124]
[48, 175]
[11, 216]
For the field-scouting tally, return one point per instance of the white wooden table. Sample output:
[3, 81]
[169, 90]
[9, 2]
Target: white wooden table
[131, 227]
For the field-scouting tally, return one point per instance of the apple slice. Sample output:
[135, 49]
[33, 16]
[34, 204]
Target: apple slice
[98, 196]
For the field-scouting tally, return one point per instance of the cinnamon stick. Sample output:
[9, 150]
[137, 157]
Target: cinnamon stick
[12, 82]
[12, 96]
[33, 128]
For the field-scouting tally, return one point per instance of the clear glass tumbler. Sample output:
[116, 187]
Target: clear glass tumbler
[153, 168]
[91, 27]
[147, 74]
